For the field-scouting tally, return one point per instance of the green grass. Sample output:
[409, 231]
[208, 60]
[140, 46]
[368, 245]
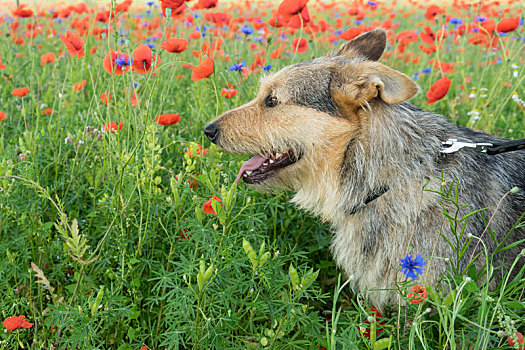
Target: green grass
[104, 243]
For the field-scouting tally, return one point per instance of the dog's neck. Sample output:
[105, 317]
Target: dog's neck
[362, 169]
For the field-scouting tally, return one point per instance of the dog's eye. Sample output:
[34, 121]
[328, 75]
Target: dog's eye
[271, 101]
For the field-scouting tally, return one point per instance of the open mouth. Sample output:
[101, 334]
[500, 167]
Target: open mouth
[260, 167]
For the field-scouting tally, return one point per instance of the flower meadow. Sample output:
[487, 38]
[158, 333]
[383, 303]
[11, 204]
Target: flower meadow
[122, 227]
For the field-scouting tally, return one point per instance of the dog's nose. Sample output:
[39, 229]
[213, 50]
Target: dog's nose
[212, 131]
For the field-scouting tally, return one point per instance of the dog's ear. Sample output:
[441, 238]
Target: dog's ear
[369, 45]
[357, 85]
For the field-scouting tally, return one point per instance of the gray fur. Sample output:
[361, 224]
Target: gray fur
[403, 151]
[394, 146]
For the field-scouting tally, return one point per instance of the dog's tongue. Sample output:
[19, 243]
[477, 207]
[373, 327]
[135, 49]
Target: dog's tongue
[250, 165]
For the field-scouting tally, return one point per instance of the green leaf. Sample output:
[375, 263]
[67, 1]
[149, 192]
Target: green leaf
[131, 333]
[309, 278]
[515, 305]
[447, 301]
[264, 258]
[252, 255]
[294, 277]
[382, 344]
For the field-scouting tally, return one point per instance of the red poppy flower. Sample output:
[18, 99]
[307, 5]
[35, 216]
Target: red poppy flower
[22, 11]
[15, 322]
[299, 45]
[1, 65]
[477, 39]
[417, 294]
[204, 70]
[206, 4]
[508, 25]
[47, 58]
[174, 5]
[376, 315]
[20, 92]
[207, 208]
[2, 115]
[105, 98]
[116, 62]
[79, 86]
[199, 151]
[228, 93]
[143, 59]
[219, 18]
[428, 36]
[432, 11]
[113, 127]
[135, 100]
[195, 35]
[519, 340]
[74, 44]
[293, 13]
[48, 111]
[168, 119]
[489, 25]
[174, 45]
[352, 33]
[438, 90]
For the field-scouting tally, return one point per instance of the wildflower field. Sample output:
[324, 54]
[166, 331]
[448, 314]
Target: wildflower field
[123, 227]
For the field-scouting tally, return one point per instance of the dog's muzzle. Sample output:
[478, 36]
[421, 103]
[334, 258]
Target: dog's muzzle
[212, 131]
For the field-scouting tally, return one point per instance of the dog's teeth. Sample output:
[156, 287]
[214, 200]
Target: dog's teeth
[247, 172]
[278, 155]
[244, 175]
[272, 161]
[265, 163]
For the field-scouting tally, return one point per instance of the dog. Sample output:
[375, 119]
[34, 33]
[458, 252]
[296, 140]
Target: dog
[339, 131]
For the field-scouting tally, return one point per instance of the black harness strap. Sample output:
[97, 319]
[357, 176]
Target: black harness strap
[371, 197]
[509, 146]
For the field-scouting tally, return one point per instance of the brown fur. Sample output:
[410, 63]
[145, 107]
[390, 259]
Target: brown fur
[346, 117]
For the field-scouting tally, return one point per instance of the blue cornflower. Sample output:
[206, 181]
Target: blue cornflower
[150, 3]
[480, 18]
[456, 21]
[123, 61]
[358, 22]
[237, 67]
[416, 76]
[204, 28]
[410, 266]
[426, 70]
[338, 32]
[267, 68]
[475, 29]
[372, 3]
[246, 29]
[150, 45]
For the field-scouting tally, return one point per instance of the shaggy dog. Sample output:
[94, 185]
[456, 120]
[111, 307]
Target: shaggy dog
[339, 132]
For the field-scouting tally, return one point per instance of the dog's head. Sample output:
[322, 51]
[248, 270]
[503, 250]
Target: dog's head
[304, 116]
